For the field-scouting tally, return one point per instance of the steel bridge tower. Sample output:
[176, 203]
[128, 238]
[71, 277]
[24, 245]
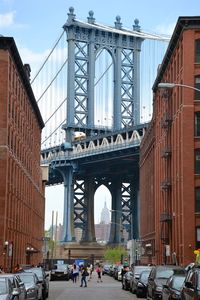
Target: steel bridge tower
[85, 40]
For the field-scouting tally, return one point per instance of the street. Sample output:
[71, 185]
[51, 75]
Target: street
[109, 289]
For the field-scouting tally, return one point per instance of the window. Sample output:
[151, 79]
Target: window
[197, 161]
[197, 200]
[197, 123]
[197, 51]
[197, 86]
[197, 237]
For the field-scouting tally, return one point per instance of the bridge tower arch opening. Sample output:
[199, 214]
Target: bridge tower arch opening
[104, 88]
[102, 213]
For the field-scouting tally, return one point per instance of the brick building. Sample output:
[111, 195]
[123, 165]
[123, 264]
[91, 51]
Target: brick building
[22, 201]
[170, 154]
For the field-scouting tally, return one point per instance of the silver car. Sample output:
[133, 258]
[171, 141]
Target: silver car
[32, 284]
[7, 291]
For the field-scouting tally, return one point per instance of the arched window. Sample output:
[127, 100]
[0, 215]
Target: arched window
[197, 51]
[197, 86]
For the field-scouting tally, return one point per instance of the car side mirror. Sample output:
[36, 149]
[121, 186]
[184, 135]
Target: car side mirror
[21, 284]
[189, 284]
[15, 292]
[165, 286]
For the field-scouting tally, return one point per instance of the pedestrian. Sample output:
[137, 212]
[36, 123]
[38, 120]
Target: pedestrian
[84, 274]
[98, 270]
[75, 272]
[91, 270]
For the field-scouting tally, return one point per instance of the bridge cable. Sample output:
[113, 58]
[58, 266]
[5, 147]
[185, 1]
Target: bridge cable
[52, 132]
[48, 57]
[52, 80]
[55, 111]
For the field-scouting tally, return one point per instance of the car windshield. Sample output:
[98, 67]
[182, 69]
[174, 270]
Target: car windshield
[144, 276]
[37, 271]
[3, 287]
[138, 271]
[61, 267]
[178, 282]
[27, 278]
[164, 273]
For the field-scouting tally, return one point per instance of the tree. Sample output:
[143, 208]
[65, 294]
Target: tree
[115, 254]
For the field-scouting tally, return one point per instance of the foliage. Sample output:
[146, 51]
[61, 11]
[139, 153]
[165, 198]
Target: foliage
[114, 254]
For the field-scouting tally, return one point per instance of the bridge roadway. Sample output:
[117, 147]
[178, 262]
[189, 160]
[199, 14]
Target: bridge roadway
[107, 154]
[109, 289]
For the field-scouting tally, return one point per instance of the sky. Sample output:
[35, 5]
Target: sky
[36, 25]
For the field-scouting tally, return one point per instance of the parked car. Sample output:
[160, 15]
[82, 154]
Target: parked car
[141, 287]
[191, 286]
[17, 285]
[60, 272]
[172, 288]
[126, 278]
[106, 269]
[158, 277]
[137, 270]
[43, 278]
[7, 292]
[118, 273]
[32, 285]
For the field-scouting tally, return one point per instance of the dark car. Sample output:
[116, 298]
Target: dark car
[172, 288]
[32, 285]
[137, 270]
[126, 278]
[141, 287]
[43, 279]
[158, 277]
[60, 272]
[191, 286]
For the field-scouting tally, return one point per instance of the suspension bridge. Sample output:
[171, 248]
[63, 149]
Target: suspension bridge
[97, 80]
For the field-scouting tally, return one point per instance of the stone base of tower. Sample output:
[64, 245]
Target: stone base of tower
[73, 250]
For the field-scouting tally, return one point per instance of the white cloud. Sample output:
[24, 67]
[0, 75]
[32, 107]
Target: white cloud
[7, 19]
[166, 29]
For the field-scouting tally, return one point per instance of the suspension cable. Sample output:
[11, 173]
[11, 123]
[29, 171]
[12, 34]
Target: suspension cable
[55, 111]
[52, 80]
[47, 57]
[52, 132]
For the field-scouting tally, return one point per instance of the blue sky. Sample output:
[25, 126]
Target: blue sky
[36, 25]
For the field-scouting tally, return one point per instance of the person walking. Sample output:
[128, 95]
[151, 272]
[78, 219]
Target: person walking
[98, 270]
[75, 272]
[84, 274]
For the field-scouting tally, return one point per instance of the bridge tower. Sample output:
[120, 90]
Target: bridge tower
[85, 40]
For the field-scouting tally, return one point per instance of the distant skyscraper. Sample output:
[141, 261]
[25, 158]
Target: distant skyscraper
[105, 215]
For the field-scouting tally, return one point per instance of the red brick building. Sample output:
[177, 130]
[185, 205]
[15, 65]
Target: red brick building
[170, 154]
[22, 201]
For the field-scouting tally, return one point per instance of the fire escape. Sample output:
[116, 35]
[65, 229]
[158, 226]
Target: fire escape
[166, 216]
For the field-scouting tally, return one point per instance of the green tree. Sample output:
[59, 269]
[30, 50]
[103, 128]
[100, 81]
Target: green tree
[115, 254]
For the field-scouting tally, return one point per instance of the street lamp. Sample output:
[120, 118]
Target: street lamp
[170, 85]
[8, 246]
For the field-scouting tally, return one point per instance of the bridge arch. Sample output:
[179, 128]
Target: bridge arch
[102, 208]
[104, 87]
